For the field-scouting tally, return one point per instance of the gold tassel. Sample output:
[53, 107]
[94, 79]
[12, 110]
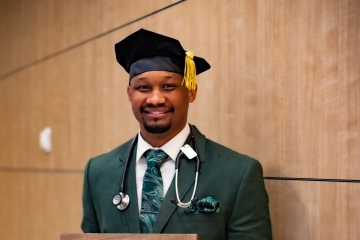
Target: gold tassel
[189, 71]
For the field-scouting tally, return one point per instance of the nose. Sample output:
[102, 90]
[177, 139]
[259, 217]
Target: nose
[155, 98]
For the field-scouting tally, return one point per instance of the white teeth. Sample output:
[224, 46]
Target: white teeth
[157, 113]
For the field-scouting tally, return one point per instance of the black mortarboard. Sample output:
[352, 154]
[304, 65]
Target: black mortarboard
[144, 51]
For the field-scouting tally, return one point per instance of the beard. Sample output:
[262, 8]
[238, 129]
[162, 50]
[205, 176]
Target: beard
[157, 128]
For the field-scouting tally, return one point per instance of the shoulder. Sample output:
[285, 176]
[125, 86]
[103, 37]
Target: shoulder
[221, 158]
[217, 152]
[110, 158]
[219, 149]
[214, 147]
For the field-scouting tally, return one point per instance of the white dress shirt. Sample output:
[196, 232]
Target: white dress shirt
[171, 148]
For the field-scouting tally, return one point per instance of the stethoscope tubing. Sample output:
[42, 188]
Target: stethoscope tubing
[132, 147]
[122, 200]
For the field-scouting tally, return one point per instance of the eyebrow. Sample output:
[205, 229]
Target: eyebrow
[146, 78]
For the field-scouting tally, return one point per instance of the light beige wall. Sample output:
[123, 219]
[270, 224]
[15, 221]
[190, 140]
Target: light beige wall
[284, 88]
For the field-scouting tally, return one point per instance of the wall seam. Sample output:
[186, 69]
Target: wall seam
[26, 66]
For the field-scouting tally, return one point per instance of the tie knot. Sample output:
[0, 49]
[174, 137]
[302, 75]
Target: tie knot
[155, 157]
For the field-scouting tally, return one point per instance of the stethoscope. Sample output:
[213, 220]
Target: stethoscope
[122, 200]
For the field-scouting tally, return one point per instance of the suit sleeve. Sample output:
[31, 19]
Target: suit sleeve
[250, 218]
[89, 222]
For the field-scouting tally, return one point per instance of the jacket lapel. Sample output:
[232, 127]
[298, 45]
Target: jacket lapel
[132, 211]
[186, 179]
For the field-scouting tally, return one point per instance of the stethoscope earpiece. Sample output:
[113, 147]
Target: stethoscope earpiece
[121, 201]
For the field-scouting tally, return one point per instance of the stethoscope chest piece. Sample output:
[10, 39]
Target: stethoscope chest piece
[121, 201]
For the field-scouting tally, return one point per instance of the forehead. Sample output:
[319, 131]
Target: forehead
[157, 76]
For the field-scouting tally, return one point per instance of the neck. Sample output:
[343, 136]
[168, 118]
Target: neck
[158, 140]
[155, 140]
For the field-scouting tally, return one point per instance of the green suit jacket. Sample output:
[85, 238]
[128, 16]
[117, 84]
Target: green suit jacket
[235, 180]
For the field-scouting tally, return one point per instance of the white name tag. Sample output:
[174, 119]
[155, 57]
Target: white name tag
[188, 151]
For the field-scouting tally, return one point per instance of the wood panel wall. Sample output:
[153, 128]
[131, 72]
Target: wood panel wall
[284, 88]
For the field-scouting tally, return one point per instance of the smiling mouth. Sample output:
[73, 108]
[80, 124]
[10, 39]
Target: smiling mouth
[156, 113]
[156, 110]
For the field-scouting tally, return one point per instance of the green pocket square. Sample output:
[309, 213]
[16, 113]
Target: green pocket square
[205, 205]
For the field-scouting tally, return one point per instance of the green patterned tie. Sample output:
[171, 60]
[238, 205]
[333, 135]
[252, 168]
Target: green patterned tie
[152, 191]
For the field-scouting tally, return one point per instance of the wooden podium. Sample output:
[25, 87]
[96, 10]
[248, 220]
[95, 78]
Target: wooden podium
[112, 236]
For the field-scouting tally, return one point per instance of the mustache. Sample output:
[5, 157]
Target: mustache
[148, 106]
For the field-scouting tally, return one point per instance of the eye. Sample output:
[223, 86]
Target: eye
[143, 88]
[169, 87]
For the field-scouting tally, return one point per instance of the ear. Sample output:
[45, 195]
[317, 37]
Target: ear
[192, 94]
[129, 92]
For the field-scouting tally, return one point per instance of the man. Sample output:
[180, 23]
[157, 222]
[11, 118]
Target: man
[225, 200]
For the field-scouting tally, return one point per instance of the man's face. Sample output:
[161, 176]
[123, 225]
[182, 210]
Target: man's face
[160, 102]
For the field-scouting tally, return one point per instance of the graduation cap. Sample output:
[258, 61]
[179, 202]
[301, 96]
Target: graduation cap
[145, 51]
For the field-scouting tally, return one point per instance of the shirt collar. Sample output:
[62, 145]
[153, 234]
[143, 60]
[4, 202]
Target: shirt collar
[171, 148]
